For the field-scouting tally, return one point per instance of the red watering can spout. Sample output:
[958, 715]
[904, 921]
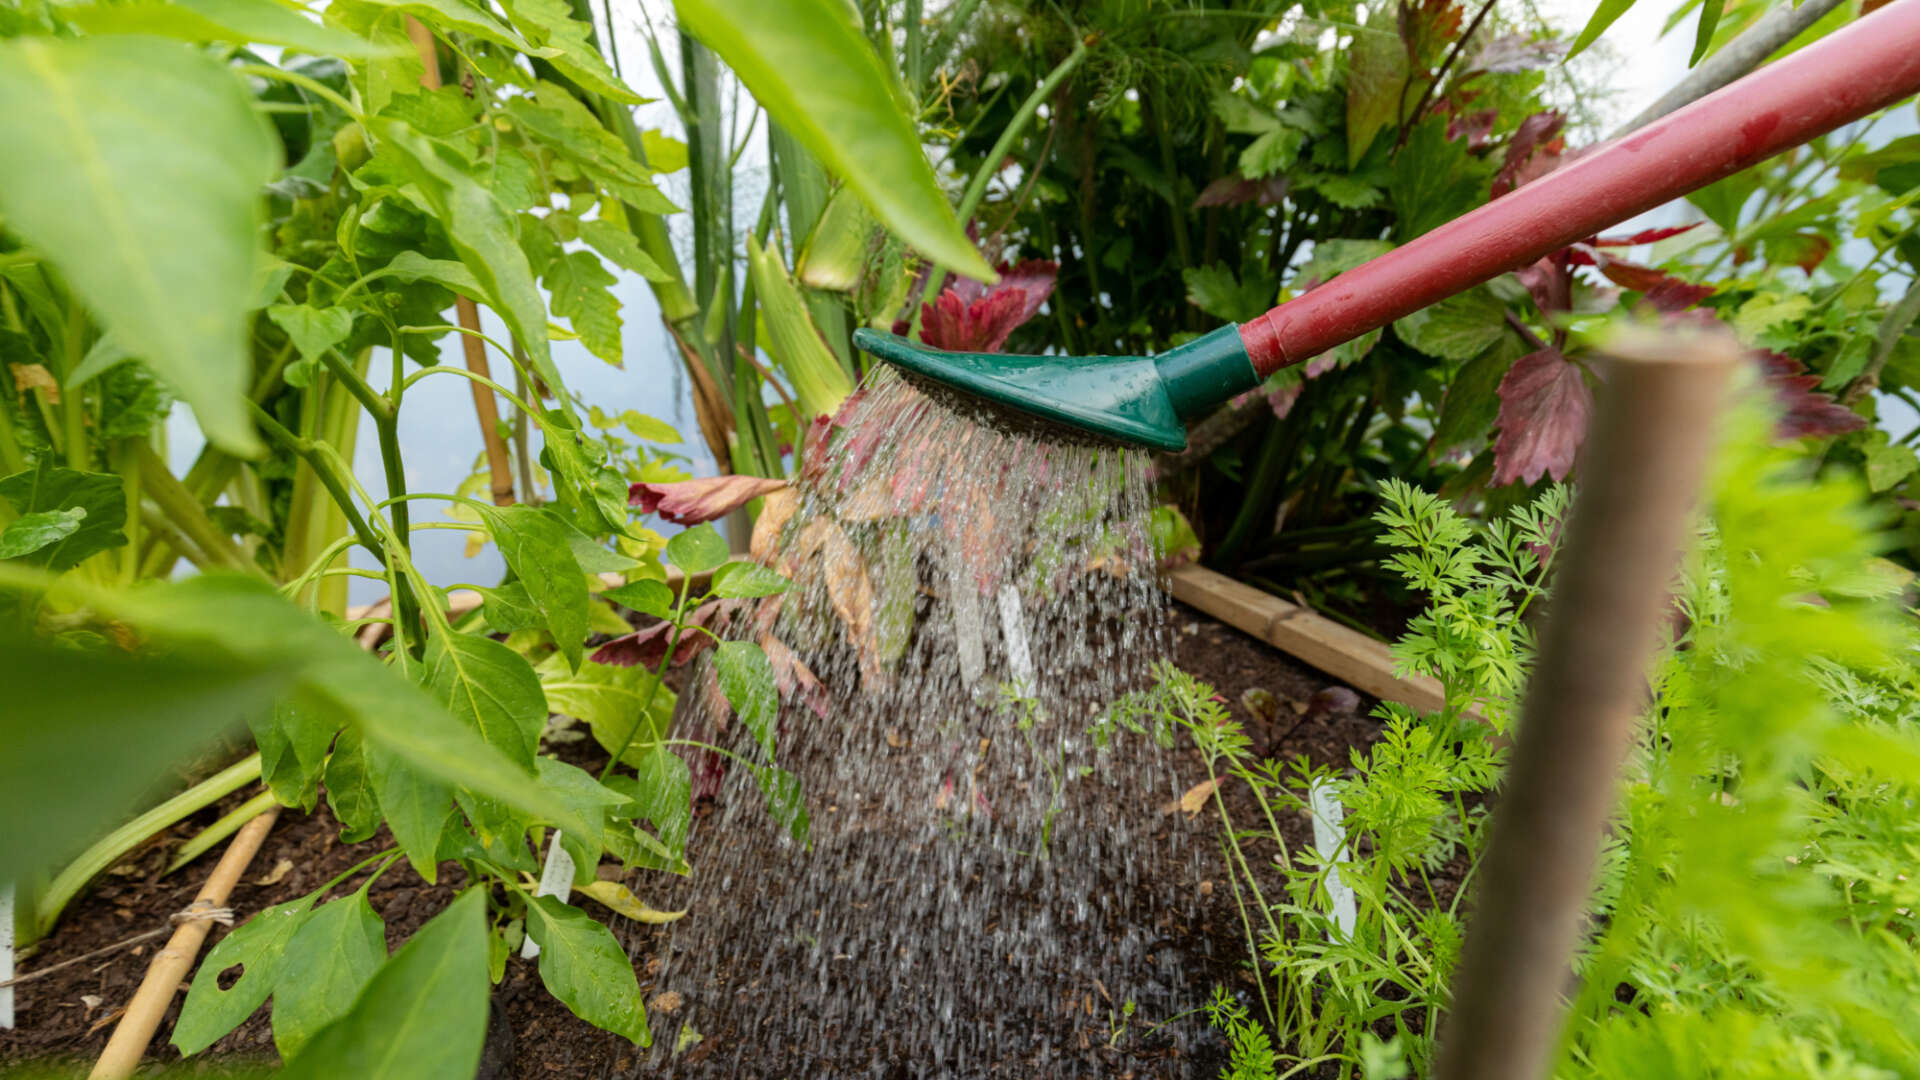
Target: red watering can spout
[1147, 400]
[1850, 73]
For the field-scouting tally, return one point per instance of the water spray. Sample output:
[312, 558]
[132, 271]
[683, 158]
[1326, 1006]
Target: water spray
[1148, 401]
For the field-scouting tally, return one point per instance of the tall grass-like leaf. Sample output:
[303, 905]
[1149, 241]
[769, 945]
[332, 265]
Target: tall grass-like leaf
[810, 66]
[423, 1014]
[136, 165]
[819, 381]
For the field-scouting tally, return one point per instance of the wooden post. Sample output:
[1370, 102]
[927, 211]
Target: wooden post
[485, 407]
[1628, 527]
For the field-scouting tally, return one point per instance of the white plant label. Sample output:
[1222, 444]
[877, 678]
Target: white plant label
[6, 955]
[556, 879]
[1329, 839]
[1019, 659]
[967, 633]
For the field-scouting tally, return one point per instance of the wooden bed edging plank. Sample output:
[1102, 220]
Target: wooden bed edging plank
[1319, 642]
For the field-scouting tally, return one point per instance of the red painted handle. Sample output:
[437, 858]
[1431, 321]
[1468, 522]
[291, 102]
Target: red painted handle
[1846, 75]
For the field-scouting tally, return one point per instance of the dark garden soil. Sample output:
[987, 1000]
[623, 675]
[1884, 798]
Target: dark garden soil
[68, 1015]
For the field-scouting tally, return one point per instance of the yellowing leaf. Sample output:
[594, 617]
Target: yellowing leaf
[620, 900]
[1196, 797]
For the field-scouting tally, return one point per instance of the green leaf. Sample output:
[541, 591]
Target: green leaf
[350, 791]
[1334, 257]
[1376, 75]
[1276, 151]
[312, 330]
[697, 549]
[646, 597]
[1709, 22]
[663, 795]
[416, 806]
[648, 428]
[293, 741]
[492, 688]
[746, 678]
[1346, 192]
[746, 580]
[618, 245]
[550, 24]
[259, 945]
[609, 699]
[31, 532]
[580, 287]
[1603, 17]
[585, 968]
[326, 965]
[509, 608]
[51, 488]
[590, 801]
[1472, 402]
[819, 380]
[786, 803]
[1218, 292]
[424, 1013]
[1457, 328]
[1434, 180]
[534, 544]
[486, 236]
[237, 22]
[1888, 463]
[811, 67]
[557, 120]
[1243, 117]
[93, 129]
[444, 15]
[411, 266]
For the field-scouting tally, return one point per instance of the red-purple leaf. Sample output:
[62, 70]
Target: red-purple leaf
[1549, 282]
[1663, 291]
[1515, 53]
[1532, 152]
[971, 317]
[691, 502]
[1544, 409]
[1804, 410]
[1476, 126]
[1234, 189]
[1644, 236]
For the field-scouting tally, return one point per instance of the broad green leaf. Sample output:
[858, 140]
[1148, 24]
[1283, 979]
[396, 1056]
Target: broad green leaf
[534, 544]
[1218, 292]
[786, 803]
[259, 945]
[424, 1013]
[89, 733]
[1332, 257]
[1603, 17]
[52, 488]
[580, 473]
[29, 533]
[1473, 400]
[1376, 76]
[813, 70]
[486, 236]
[501, 833]
[1274, 152]
[444, 15]
[492, 688]
[794, 342]
[747, 680]
[94, 128]
[411, 266]
[747, 580]
[1457, 328]
[557, 120]
[618, 245]
[662, 794]
[590, 801]
[649, 428]
[293, 741]
[581, 291]
[236, 22]
[697, 549]
[596, 557]
[509, 608]
[416, 807]
[350, 793]
[312, 330]
[665, 153]
[646, 597]
[610, 700]
[551, 25]
[328, 962]
[585, 968]
[1243, 117]
[1888, 463]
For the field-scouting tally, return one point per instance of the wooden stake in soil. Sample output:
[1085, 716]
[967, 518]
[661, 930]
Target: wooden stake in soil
[485, 407]
[1629, 525]
[172, 964]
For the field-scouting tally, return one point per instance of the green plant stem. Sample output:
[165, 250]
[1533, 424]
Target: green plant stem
[179, 506]
[114, 846]
[653, 684]
[376, 404]
[205, 839]
[446, 369]
[977, 187]
[327, 469]
[313, 86]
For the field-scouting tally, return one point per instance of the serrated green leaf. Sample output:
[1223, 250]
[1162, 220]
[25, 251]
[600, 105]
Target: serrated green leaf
[746, 678]
[1376, 75]
[1458, 328]
[1274, 152]
[491, 687]
[237, 22]
[618, 245]
[585, 968]
[326, 965]
[93, 128]
[558, 121]
[581, 293]
[534, 544]
[1218, 292]
[424, 1013]
[51, 488]
[697, 549]
[746, 580]
[1347, 192]
[1434, 180]
[259, 945]
[811, 67]
[646, 597]
[550, 24]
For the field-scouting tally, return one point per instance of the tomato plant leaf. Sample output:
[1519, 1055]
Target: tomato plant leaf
[813, 70]
[326, 964]
[746, 580]
[534, 544]
[1544, 408]
[586, 969]
[550, 25]
[557, 120]
[93, 128]
[747, 681]
[579, 285]
[617, 244]
[424, 1013]
[259, 946]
